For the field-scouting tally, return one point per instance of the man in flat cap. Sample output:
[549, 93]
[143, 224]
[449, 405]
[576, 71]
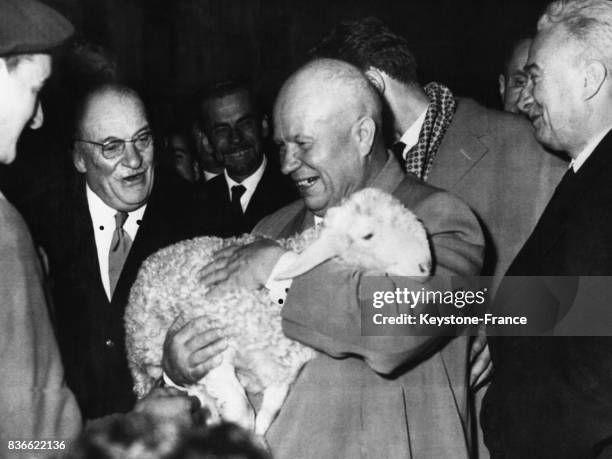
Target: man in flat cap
[34, 400]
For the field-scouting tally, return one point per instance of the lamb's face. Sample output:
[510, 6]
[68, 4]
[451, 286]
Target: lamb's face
[377, 233]
[372, 231]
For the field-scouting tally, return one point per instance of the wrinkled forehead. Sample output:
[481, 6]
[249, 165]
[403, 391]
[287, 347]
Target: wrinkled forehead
[113, 114]
[553, 45]
[304, 111]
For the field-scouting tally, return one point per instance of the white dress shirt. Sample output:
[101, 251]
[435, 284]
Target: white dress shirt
[103, 219]
[411, 136]
[279, 288]
[250, 183]
[579, 160]
[210, 175]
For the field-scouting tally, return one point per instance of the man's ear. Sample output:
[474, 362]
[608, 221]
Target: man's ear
[595, 74]
[502, 87]
[365, 133]
[376, 78]
[78, 160]
[265, 126]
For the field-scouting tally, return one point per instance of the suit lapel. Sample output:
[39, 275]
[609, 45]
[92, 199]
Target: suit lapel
[390, 176]
[304, 219]
[567, 197]
[466, 149]
[261, 195]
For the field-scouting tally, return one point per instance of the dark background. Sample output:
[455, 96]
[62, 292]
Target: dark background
[167, 49]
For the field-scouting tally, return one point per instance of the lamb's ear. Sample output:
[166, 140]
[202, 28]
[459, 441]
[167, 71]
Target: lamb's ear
[322, 249]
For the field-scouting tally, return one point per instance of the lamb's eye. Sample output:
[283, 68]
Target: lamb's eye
[368, 236]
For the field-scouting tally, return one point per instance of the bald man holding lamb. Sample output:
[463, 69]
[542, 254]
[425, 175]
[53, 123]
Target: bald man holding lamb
[360, 396]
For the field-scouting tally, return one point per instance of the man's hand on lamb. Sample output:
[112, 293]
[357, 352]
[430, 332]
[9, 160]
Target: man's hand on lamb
[248, 265]
[191, 350]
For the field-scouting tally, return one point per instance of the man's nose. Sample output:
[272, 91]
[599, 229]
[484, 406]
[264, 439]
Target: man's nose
[236, 135]
[525, 98]
[132, 157]
[289, 160]
[38, 118]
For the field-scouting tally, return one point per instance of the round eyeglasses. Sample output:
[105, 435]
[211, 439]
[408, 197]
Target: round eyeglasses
[114, 148]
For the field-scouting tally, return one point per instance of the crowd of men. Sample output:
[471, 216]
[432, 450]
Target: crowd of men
[493, 189]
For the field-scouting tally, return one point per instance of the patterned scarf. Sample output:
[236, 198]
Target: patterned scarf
[420, 158]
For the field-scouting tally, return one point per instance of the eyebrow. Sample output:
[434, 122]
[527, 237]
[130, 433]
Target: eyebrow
[243, 118]
[139, 131]
[530, 67]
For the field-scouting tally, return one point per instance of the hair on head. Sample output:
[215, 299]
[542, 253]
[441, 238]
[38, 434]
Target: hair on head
[366, 43]
[220, 89]
[588, 21]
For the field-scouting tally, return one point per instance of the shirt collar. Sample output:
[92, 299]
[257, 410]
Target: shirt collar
[250, 183]
[411, 137]
[579, 160]
[102, 214]
[210, 175]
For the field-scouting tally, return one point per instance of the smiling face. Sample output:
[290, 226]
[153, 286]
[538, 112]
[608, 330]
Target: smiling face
[123, 183]
[515, 78]
[318, 146]
[235, 130]
[19, 104]
[182, 158]
[553, 97]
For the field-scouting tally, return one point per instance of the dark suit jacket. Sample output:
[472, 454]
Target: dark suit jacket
[273, 191]
[376, 396]
[90, 329]
[492, 161]
[551, 397]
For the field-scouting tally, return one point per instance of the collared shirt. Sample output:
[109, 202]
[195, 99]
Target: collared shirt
[250, 183]
[411, 137]
[579, 160]
[210, 175]
[279, 288]
[103, 219]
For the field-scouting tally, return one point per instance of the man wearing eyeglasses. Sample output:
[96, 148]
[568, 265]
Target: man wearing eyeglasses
[114, 216]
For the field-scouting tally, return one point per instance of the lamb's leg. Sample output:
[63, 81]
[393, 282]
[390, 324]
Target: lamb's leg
[232, 402]
[272, 401]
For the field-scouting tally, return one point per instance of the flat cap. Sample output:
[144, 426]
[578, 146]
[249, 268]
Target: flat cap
[29, 27]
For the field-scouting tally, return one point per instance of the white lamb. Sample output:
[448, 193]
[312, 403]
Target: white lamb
[371, 231]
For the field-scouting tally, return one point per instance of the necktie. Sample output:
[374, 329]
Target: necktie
[398, 150]
[119, 249]
[237, 192]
